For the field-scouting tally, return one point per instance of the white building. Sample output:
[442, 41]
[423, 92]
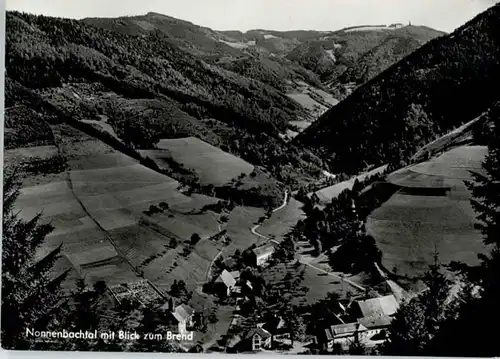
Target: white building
[184, 315]
[229, 279]
[263, 254]
[376, 328]
[259, 339]
[344, 335]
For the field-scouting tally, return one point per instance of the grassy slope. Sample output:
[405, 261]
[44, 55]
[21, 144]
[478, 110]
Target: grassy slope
[412, 224]
[443, 84]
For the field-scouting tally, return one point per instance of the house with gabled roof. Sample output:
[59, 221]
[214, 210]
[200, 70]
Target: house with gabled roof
[229, 279]
[184, 315]
[343, 335]
[259, 338]
[263, 254]
[376, 328]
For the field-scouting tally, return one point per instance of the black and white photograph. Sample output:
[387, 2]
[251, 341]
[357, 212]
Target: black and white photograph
[252, 176]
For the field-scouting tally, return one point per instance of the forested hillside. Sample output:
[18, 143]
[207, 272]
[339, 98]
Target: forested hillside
[348, 58]
[148, 88]
[443, 84]
[153, 76]
[245, 54]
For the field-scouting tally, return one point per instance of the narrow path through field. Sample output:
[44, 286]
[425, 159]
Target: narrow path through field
[345, 280]
[254, 228]
[209, 271]
[399, 293]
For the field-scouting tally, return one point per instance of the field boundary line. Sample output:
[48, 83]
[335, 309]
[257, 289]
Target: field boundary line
[99, 226]
[337, 276]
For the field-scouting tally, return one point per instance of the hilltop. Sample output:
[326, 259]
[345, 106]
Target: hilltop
[322, 58]
[440, 86]
[350, 57]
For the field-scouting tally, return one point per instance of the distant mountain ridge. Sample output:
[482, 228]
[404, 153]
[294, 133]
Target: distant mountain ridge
[443, 84]
[154, 76]
[328, 57]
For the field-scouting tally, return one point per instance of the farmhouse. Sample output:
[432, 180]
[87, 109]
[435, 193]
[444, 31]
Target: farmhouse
[229, 279]
[265, 334]
[263, 254]
[259, 339]
[184, 316]
[376, 328]
[377, 307]
[343, 335]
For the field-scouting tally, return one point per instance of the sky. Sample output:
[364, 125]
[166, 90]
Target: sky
[323, 15]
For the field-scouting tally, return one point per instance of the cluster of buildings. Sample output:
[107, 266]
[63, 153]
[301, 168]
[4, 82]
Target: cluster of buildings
[182, 316]
[228, 282]
[264, 337]
[374, 317]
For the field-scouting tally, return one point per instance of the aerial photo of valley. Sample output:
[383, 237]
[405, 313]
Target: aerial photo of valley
[323, 182]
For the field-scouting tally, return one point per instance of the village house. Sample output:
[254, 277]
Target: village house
[376, 328]
[266, 334]
[184, 315]
[374, 318]
[343, 335]
[259, 339]
[229, 280]
[376, 307]
[263, 254]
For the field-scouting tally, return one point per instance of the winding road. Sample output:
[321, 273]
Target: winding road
[254, 228]
[209, 271]
[299, 257]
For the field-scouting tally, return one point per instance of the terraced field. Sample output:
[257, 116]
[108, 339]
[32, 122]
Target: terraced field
[431, 212]
[99, 206]
[212, 165]
[84, 243]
